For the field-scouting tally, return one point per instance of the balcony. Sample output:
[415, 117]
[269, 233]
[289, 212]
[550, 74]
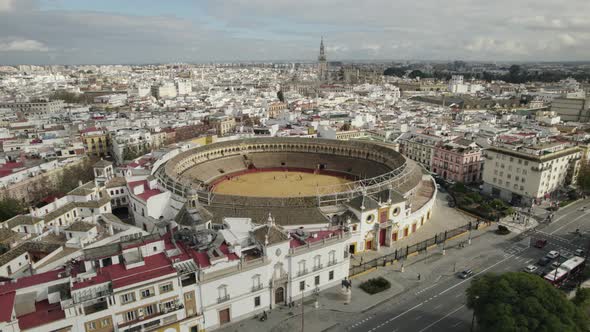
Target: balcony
[223, 299]
[96, 307]
[141, 319]
[318, 267]
[332, 263]
[302, 272]
[257, 287]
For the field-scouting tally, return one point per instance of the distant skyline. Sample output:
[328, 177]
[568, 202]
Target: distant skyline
[147, 31]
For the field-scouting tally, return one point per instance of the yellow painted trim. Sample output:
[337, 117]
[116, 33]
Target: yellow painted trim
[457, 236]
[355, 247]
[415, 253]
[432, 246]
[362, 273]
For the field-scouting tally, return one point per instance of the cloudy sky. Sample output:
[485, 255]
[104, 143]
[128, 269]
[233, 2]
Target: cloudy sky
[149, 31]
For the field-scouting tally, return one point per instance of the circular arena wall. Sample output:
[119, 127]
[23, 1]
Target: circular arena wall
[371, 166]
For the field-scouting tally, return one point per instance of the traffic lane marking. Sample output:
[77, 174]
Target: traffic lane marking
[569, 223]
[443, 317]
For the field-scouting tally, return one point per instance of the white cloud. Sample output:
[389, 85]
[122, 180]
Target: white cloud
[496, 46]
[567, 39]
[23, 45]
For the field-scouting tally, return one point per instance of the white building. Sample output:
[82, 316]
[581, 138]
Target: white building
[164, 91]
[526, 173]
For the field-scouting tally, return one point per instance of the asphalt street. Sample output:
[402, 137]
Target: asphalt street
[441, 305]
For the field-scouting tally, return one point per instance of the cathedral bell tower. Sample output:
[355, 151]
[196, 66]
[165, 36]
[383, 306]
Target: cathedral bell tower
[322, 63]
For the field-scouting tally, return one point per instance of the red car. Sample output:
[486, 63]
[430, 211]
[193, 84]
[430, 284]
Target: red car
[540, 243]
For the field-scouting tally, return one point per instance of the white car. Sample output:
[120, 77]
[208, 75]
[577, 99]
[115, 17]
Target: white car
[552, 254]
[555, 264]
[531, 268]
[580, 252]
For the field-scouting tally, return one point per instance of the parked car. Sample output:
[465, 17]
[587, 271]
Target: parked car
[543, 261]
[555, 264]
[531, 268]
[580, 252]
[553, 254]
[465, 274]
[540, 243]
[567, 255]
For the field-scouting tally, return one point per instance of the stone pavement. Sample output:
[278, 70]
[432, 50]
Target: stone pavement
[332, 303]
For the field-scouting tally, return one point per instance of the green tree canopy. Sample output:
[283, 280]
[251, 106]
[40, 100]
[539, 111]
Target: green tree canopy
[584, 177]
[10, 207]
[522, 302]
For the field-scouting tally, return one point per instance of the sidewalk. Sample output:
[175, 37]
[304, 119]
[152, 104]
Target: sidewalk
[332, 307]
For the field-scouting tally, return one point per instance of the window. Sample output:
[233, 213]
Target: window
[130, 315]
[256, 285]
[222, 291]
[127, 298]
[149, 310]
[92, 326]
[147, 292]
[317, 262]
[257, 301]
[168, 305]
[332, 257]
[317, 280]
[166, 288]
[302, 267]
[331, 275]
[302, 286]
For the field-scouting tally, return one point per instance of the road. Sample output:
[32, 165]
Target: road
[441, 305]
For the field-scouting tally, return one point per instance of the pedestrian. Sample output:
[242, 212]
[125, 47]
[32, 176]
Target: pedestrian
[419, 276]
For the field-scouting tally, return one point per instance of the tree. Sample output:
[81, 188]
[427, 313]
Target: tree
[416, 73]
[10, 207]
[281, 96]
[518, 301]
[584, 177]
[582, 298]
[73, 175]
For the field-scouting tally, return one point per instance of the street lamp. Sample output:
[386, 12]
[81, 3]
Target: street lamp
[302, 307]
[473, 317]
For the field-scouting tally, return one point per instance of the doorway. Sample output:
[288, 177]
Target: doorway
[224, 316]
[279, 295]
[382, 234]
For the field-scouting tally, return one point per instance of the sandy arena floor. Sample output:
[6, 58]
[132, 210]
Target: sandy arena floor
[277, 184]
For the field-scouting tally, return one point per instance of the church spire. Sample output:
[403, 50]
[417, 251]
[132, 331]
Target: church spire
[322, 56]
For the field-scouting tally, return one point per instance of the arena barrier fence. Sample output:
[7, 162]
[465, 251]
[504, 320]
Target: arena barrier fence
[402, 253]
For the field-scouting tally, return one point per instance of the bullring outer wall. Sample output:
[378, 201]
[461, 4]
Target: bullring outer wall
[404, 174]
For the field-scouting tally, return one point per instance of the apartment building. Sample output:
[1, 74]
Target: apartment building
[35, 107]
[130, 143]
[527, 173]
[459, 161]
[189, 280]
[419, 147]
[223, 124]
[572, 109]
[97, 141]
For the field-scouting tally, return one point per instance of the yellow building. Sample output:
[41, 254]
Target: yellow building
[97, 141]
[204, 140]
